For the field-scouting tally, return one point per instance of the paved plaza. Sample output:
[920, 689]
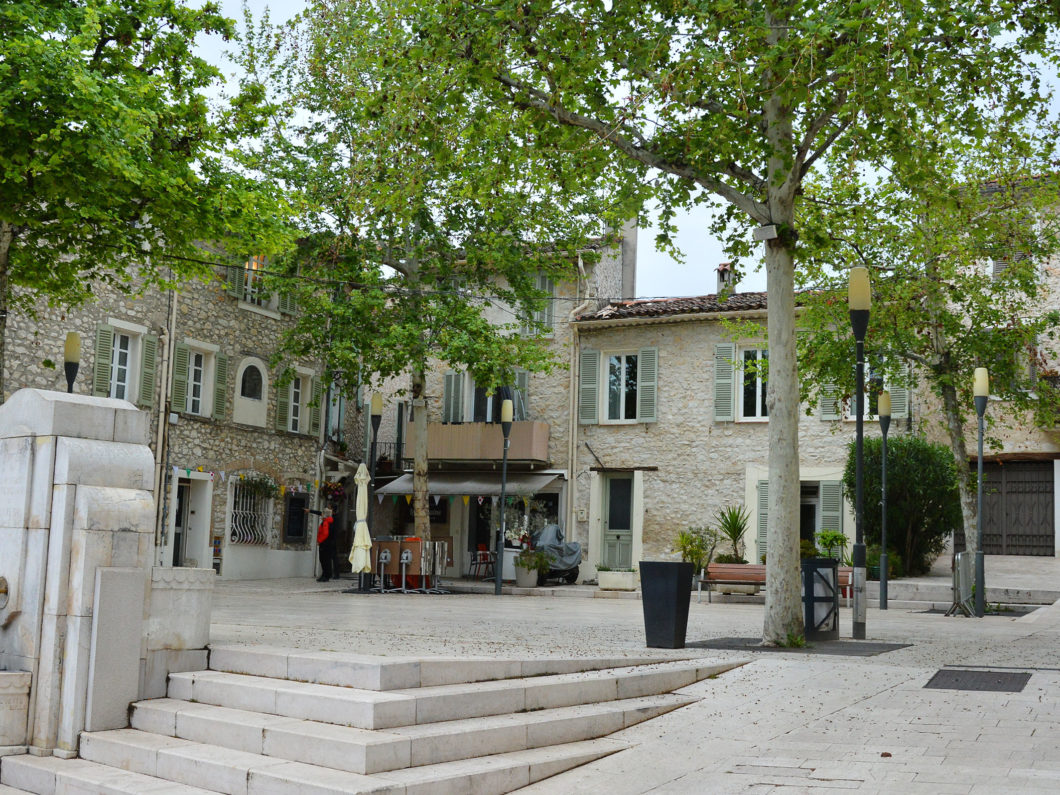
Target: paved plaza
[793, 721]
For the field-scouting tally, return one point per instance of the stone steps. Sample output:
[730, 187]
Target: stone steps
[288, 722]
[365, 672]
[372, 709]
[366, 752]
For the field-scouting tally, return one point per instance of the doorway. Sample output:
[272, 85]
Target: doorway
[618, 522]
[180, 521]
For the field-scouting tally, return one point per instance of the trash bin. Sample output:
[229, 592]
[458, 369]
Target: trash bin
[820, 598]
[666, 588]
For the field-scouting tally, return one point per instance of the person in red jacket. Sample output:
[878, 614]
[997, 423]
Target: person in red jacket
[325, 545]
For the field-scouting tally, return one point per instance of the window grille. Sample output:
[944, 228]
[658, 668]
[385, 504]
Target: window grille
[250, 516]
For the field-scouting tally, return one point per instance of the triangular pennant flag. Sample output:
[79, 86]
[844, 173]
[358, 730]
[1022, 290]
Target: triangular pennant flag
[437, 499]
[316, 483]
[451, 498]
[408, 499]
[526, 502]
[380, 497]
[283, 489]
[466, 499]
[481, 499]
[198, 469]
[395, 499]
[187, 470]
[176, 472]
[222, 476]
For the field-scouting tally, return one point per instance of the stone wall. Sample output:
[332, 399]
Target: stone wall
[195, 445]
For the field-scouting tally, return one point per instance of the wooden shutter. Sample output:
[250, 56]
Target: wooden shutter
[829, 402]
[589, 388]
[724, 382]
[522, 396]
[220, 385]
[283, 406]
[314, 407]
[453, 398]
[548, 312]
[101, 366]
[763, 519]
[832, 505]
[179, 392]
[236, 277]
[286, 303]
[647, 384]
[900, 396]
[148, 368]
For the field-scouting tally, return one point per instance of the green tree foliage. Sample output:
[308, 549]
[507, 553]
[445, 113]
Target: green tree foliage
[956, 241]
[923, 505]
[113, 169]
[589, 109]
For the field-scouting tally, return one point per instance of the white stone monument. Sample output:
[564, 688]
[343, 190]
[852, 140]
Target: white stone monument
[84, 614]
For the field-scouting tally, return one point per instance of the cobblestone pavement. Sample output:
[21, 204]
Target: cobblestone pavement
[792, 721]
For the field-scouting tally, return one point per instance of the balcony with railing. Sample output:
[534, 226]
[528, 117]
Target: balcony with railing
[482, 441]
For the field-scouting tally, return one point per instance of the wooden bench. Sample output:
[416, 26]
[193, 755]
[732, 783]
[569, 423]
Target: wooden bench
[752, 574]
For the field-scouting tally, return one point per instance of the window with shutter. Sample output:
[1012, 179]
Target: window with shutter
[314, 407]
[829, 403]
[148, 368]
[589, 387]
[453, 398]
[283, 406]
[753, 382]
[220, 386]
[832, 505]
[101, 366]
[724, 382]
[181, 365]
[647, 384]
[763, 519]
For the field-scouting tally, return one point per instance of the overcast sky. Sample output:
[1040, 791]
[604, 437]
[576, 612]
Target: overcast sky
[657, 274]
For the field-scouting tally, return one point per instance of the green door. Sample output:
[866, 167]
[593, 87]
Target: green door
[618, 522]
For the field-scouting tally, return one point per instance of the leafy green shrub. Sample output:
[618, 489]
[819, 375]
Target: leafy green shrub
[534, 560]
[894, 561]
[807, 549]
[732, 525]
[923, 505]
[832, 541]
[697, 545]
[727, 558]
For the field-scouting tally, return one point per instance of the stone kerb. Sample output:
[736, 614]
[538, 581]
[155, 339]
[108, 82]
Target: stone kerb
[76, 532]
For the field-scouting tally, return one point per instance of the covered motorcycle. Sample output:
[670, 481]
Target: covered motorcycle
[566, 555]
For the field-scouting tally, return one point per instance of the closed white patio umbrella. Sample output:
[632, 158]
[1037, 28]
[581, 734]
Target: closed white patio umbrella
[361, 552]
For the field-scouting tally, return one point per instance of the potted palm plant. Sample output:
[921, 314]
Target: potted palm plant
[732, 525]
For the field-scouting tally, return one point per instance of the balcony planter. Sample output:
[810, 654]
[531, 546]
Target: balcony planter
[666, 588]
[617, 580]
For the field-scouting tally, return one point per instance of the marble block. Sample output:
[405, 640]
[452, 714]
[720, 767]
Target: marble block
[114, 667]
[14, 707]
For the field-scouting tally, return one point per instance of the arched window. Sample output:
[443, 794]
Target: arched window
[251, 383]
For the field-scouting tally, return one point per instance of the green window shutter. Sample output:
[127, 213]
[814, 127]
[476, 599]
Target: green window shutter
[148, 368]
[589, 388]
[236, 276]
[647, 384]
[521, 396]
[101, 366]
[453, 398]
[763, 519]
[314, 408]
[832, 505]
[548, 312]
[283, 406]
[724, 382]
[179, 392]
[220, 385]
[287, 304]
[829, 401]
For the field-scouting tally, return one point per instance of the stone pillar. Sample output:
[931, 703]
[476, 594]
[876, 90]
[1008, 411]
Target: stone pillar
[76, 541]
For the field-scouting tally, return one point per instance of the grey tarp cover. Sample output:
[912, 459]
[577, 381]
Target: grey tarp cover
[565, 554]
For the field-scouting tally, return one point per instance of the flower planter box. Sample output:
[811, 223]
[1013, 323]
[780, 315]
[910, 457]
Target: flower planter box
[14, 706]
[617, 580]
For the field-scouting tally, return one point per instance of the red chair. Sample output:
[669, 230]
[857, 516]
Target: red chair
[481, 563]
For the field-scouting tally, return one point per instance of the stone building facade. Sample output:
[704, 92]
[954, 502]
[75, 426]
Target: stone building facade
[239, 451]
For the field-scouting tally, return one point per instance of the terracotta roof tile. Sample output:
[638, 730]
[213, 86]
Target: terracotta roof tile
[688, 305]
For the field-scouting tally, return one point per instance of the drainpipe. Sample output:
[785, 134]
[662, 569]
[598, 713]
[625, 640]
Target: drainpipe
[572, 408]
[162, 434]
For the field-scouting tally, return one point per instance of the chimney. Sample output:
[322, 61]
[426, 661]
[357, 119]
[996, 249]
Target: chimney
[726, 278]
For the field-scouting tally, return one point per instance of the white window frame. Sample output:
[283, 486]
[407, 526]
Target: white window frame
[208, 352]
[760, 386]
[251, 296]
[546, 315]
[299, 410]
[135, 333]
[605, 389]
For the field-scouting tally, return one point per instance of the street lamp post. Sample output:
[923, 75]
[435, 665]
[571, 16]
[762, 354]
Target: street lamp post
[71, 358]
[884, 411]
[859, 300]
[506, 429]
[981, 391]
[376, 418]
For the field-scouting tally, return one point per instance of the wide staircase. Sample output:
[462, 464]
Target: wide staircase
[278, 721]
